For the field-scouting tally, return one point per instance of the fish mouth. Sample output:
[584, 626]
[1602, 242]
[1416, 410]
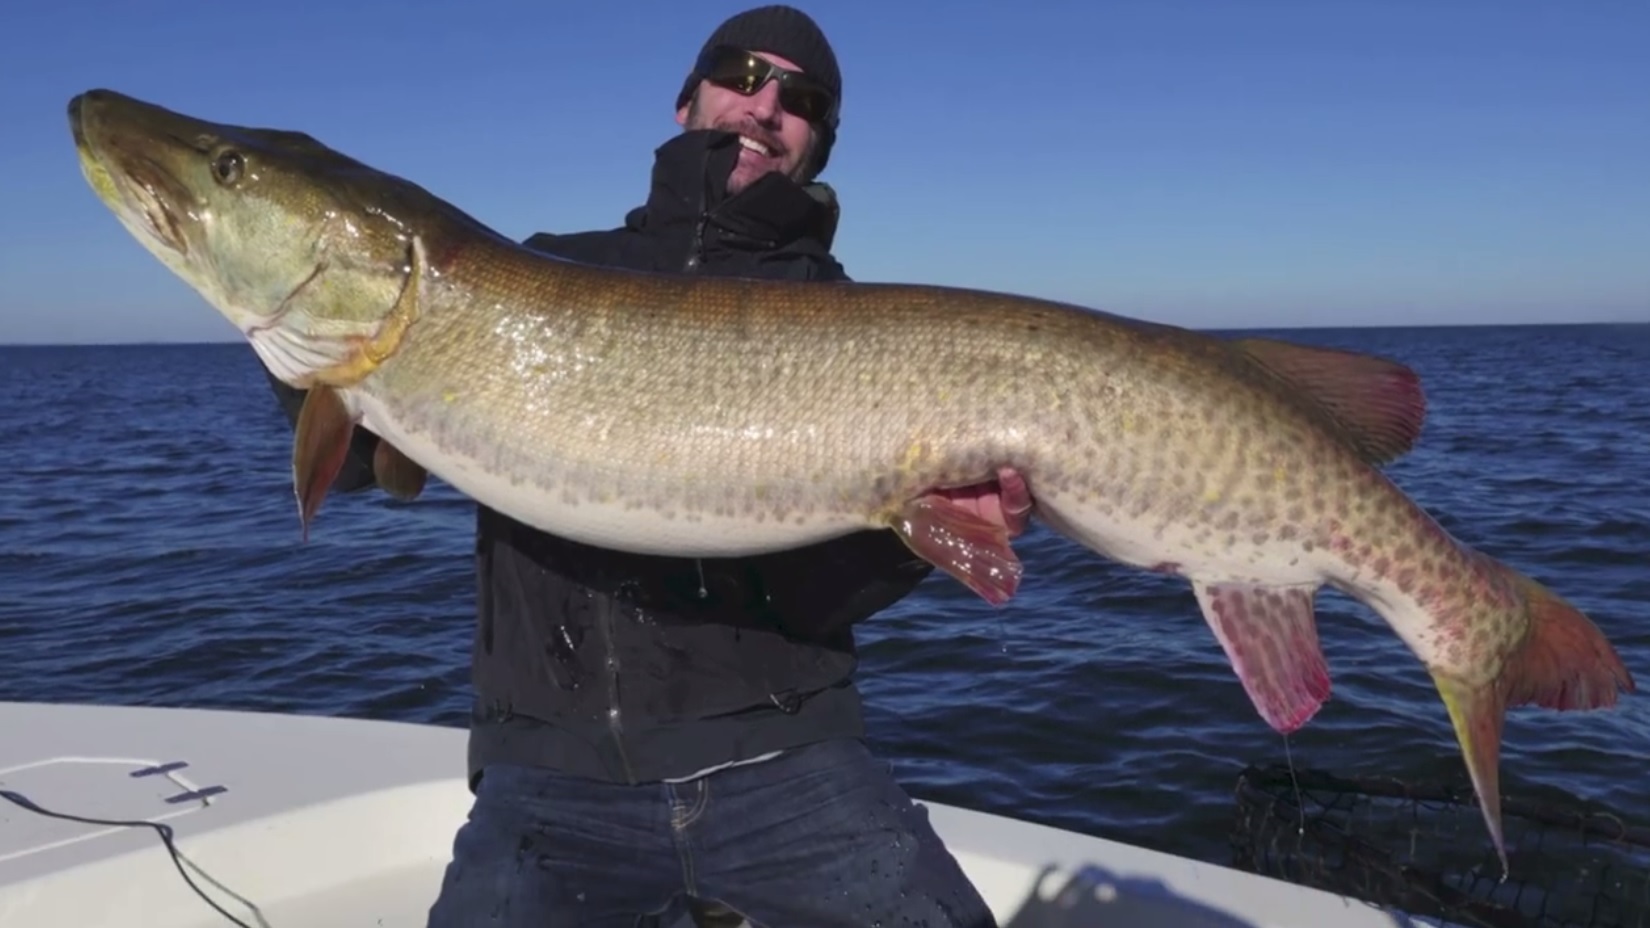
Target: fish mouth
[128, 181]
[152, 192]
[75, 125]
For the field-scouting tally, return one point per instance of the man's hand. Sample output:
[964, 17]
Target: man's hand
[1005, 501]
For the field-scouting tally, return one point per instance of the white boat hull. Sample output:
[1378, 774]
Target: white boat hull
[328, 823]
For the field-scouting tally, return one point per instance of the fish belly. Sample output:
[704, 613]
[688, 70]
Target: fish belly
[655, 522]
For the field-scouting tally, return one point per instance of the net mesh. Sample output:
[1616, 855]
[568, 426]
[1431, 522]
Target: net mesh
[1423, 849]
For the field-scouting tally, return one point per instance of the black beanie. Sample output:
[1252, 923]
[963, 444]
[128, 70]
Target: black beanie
[789, 33]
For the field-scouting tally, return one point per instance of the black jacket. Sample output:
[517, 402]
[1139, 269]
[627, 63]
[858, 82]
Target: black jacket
[638, 668]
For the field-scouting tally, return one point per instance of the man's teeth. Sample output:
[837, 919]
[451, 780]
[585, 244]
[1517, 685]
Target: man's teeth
[754, 145]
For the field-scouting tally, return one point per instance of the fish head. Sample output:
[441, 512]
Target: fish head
[303, 249]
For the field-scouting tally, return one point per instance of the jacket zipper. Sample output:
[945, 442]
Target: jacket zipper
[615, 717]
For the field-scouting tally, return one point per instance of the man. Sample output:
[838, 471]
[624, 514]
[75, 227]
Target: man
[649, 732]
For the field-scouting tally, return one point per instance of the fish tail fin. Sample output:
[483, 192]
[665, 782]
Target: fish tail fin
[1563, 662]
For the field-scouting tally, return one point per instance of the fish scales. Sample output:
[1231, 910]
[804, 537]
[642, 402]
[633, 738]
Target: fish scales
[710, 373]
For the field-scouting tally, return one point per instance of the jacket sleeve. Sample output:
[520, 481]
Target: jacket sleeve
[831, 269]
[600, 247]
[823, 588]
[356, 473]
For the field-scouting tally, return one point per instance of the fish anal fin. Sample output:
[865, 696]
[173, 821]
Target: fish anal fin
[320, 443]
[1270, 635]
[974, 550]
[400, 476]
[1376, 403]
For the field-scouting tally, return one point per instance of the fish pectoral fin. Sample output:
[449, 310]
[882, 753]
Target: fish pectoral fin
[973, 549]
[1376, 404]
[319, 446]
[1270, 634]
[400, 476]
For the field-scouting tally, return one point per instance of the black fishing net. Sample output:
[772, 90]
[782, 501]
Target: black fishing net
[1424, 850]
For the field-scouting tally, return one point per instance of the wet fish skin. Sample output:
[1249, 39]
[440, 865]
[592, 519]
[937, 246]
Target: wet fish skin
[714, 416]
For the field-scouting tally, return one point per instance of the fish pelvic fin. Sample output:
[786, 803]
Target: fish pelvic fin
[974, 550]
[1270, 635]
[1563, 662]
[400, 476]
[1376, 405]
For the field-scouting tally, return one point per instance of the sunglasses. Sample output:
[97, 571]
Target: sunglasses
[744, 72]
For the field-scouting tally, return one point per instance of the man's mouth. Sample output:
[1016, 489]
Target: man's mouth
[751, 144]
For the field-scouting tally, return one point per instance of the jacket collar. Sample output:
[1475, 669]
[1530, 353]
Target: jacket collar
[690, 174]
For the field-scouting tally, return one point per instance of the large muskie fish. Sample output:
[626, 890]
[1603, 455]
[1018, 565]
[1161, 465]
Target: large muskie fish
[699, 416]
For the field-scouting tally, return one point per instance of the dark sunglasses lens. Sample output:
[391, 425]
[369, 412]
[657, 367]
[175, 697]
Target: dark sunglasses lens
[735, 70]
[807, 101]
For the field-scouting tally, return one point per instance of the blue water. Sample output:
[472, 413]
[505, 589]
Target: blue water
[150, 554]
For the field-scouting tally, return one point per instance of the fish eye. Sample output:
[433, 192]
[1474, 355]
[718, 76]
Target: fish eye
[228, 166]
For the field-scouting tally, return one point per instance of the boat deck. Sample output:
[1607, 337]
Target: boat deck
[326, 823]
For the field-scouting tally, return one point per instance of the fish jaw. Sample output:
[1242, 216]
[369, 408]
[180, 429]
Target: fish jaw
[134, 175]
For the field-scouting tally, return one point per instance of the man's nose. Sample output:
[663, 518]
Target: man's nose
[764, 104]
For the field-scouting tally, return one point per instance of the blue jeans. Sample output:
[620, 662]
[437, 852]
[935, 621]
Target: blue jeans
[819, 836]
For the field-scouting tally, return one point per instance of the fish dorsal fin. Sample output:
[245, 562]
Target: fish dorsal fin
[1377, 404]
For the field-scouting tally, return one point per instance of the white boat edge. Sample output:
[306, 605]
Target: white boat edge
[324, 822]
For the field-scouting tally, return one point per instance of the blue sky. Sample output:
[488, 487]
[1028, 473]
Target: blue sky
[1209, 163]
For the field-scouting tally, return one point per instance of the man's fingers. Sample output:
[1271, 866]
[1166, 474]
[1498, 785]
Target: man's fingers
[1005, 501]
[1016, 496]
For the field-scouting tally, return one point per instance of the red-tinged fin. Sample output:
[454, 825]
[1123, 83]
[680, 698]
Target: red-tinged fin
[319, 446]
[1563, 663]
[972, 549]
[1270, 634]
[399, 475]
[1377, 403]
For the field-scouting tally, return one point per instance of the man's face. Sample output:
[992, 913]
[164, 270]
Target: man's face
[770, 138]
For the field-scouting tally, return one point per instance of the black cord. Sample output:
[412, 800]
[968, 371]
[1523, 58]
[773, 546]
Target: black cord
[165, 832]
